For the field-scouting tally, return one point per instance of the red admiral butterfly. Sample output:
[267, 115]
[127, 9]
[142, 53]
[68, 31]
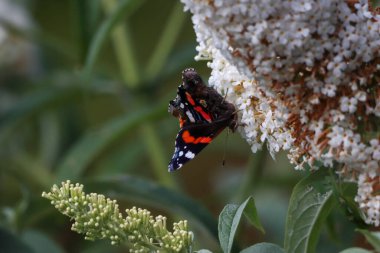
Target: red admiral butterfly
[202, 112]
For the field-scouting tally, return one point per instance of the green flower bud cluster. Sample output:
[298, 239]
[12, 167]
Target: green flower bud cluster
[98, 217]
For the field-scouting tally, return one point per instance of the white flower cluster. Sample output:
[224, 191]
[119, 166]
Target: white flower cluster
[305, 76]
[260, 122]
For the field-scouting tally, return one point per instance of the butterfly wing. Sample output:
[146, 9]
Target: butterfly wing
[191, 139]
[188, 110]
[202, 114]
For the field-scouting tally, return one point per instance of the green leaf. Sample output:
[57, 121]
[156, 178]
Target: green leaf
[40, 243]
[100, 246]
[203, 251]
[179, 60]
[263, 247]
[250, 212]
[355, 250]
[372, 237]
[93, 143]
[35, 103]
[346, 194]
[11, 243]
[31, 172]
[114, 164]
[146, 192]
[229, 220]
[165, 43]
[310, 203]
[124, 9]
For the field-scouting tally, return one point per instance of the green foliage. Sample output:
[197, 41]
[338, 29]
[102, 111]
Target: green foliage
[124, 9]
[309, 205]
[263, 247]
[355, 250]
[40, 242]
[229, 220]
[11, 243]
[37, 102]
[372, 237]
[92, 144]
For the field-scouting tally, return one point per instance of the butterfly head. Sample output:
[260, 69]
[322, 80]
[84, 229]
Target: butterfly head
[191, 79]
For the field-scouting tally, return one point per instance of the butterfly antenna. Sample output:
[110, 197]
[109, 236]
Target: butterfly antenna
[225, 96]
[225, 147]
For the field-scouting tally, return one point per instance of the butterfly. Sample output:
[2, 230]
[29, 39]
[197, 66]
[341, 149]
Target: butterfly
[203, 114]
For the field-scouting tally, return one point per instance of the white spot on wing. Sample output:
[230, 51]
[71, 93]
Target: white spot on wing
[190, 116]
[180, 153]
[189, 155]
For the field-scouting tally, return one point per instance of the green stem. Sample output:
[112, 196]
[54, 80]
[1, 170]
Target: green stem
[157, 155]
[124, 9]
[166, 42]
[124, 49]
[254, 172]
[122, 40]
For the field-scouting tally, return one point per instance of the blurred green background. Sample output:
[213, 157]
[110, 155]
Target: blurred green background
[84, 91]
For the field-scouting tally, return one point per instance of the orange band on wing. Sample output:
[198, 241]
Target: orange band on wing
[187, 138]
[199, 109]
[189, 98]
[204, 114]
[181, 121]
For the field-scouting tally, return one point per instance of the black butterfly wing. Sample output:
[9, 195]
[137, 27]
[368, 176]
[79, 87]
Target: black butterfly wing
[188, 109]
[191, 139]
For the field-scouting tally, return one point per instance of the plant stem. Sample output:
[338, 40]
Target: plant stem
[166, 42]
[122, 41]
[252, 176]
[123, 10]
[157, 156]
[124, 49]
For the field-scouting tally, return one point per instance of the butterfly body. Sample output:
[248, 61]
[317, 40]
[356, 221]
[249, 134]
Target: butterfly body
[202, 112]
